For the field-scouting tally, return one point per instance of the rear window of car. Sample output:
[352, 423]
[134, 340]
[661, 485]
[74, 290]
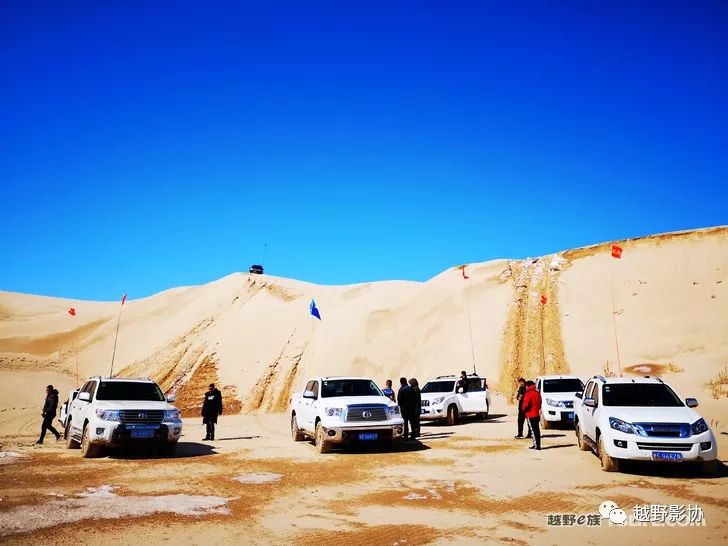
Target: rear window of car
[129, 390]
[640, 394]
[562, 385]
[438, 386]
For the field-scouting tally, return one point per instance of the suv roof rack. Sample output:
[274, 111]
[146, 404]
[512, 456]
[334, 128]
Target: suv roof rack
[600, 378]
[655, 378]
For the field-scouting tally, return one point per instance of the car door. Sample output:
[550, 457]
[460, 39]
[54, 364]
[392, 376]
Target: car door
[308, 406]
[588, 426]
[78, 408]
[474, 401]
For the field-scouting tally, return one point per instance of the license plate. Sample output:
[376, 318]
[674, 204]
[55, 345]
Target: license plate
[368, 435]
[666, 456]
[142, 433]
[570, 415]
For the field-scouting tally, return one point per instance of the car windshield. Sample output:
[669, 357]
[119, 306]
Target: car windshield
[349, 387]
[438, 386]
[640, 394]
[562, 385]
[129, 390]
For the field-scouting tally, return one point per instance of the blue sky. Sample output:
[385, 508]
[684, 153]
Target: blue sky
[146, 145]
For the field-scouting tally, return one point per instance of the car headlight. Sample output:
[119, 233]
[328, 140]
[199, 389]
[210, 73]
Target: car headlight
[699, 426]
[394, 410]
[622, 426]
[171, 415]
[555, 403]
[333, 412]
[437, 400]
[107, 415]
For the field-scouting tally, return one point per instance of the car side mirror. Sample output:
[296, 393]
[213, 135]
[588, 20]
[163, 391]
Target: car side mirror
[171, 398]
[460, 390]
[691, 402]
[579, 394]
[85, 396]
[590, 402]
[309, 394]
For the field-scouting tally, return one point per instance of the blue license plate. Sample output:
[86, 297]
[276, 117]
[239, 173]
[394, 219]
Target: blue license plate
[666, 456]
[368, 435]
[142, 433]
[571, 415]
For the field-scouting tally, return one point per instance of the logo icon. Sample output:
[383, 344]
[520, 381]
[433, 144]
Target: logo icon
[367, 415]
[142, 416]
[610, 510]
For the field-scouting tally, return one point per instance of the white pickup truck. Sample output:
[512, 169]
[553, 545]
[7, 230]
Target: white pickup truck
[115, 412]
[558, 393]
[441, 398]
[340, 410]
[640, 418]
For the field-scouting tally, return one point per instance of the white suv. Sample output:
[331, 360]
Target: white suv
[640, 418]
[115, 412]
[557, 398]
[441, 398]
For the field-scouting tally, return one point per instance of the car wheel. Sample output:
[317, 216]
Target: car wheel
[70, 442]
[453, 418]
[88, 450]
[609, 464]
[296, 432]
[583, 446]
[321, 444]
[544, 423]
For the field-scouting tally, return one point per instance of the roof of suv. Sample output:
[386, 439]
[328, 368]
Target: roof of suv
[558, 377]
[124, 379]
[613, 380]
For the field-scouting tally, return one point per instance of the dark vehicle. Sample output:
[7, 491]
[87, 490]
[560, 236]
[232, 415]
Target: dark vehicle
[256, 269]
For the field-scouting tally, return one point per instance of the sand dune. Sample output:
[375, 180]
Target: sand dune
[254, 335]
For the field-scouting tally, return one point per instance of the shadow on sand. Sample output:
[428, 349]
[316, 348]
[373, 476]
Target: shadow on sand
[184, 450]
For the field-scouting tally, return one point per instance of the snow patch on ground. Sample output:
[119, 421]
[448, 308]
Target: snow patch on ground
[259, 477]
[103, 503]
[10, 457]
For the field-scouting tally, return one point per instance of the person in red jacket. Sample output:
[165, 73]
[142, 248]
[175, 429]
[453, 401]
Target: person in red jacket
[531, 405]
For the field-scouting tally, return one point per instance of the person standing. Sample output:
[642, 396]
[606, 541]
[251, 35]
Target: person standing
[417, 405]
[211, 408]
[462, 383]
[407, 401]
[388, 390]
[519, 400]
[532, 409]
[49, 412]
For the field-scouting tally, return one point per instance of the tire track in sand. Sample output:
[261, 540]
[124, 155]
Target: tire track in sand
[532, 343]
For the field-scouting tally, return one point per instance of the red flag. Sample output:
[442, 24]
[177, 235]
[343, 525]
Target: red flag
[616, 251]
[123, 299]
[72, 311]
[543, 299]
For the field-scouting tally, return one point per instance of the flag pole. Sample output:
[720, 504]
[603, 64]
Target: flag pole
[116, 336]
[470, 326]
[614, 316]
[76, 362]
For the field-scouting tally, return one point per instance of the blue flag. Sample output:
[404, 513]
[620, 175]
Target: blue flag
[314, 310]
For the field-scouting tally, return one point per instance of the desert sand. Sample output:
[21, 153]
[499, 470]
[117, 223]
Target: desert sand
[468, 484]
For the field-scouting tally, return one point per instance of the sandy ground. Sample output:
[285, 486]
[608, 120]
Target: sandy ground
[467, 484]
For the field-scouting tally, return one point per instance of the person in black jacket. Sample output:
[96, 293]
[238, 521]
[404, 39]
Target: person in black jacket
[49, 413]
[407, 398]
[211, 408]
[519, 400]
[462, 386]
[418, 404]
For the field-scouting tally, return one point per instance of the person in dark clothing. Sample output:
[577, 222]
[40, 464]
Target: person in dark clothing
[388, 390]
[519, 400]
[49, 413]
[407, 404]
[211, 408]
[532, 409]
[462, 383]
[418, 404]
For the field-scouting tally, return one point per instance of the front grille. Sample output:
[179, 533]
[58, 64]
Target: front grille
[141, 417]
[664, 447]
[365, 414]
[665, 430]
[425, 403]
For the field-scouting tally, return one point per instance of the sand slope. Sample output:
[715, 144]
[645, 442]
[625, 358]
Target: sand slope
[254, 335]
